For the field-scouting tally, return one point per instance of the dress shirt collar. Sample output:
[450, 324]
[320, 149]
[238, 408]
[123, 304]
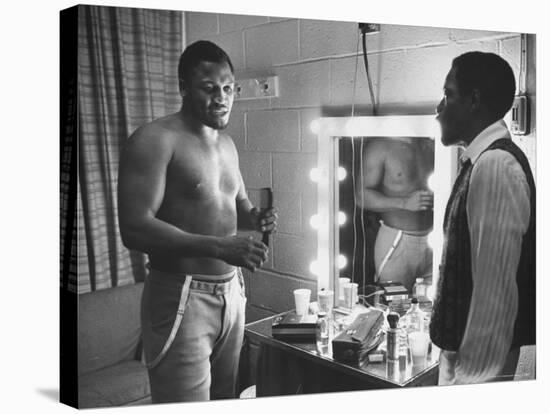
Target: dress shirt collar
[485, 138]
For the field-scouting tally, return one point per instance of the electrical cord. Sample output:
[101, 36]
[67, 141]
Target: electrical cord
[353, 165]
[366, 60]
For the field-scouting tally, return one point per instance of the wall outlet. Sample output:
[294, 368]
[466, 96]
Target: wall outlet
[520, 116]
[256, 88]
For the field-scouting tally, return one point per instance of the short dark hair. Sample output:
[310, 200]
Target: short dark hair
[491, 75]
[195, 53]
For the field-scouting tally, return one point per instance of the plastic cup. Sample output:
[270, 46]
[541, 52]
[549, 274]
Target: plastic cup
[341, 282]
[301, 300]
[418, 343]
[325, 298]
[350, 294]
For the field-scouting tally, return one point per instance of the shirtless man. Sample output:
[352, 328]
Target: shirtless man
[181, 197]
[394, 184]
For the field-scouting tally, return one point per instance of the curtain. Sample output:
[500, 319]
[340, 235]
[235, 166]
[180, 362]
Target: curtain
[127, 76]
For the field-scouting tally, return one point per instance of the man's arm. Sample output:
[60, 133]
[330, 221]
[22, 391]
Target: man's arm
[498, 211]
[367, 189]
[141, 184]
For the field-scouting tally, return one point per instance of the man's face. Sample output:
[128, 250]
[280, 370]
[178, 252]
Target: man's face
[209, 94]
[453, 112]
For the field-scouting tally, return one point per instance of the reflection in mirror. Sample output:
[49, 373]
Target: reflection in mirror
[382, 187]
[389, 205]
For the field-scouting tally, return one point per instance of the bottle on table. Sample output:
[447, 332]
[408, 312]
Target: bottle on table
[414, 318]
[418, 339]
[322, 332]
[420, 289]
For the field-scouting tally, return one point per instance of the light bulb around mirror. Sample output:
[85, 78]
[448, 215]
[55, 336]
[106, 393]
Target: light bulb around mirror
[314, 221]
[430, 182]
[342, 173]
[314, 174]
[342, 218]
[342, 261]
[315, 126]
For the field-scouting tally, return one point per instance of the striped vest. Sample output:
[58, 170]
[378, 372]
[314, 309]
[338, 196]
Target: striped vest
[454, 288]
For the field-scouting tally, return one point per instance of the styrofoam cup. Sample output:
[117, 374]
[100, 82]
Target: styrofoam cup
[301, 299]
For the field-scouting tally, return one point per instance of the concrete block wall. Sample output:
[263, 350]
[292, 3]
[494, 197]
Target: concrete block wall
[317, 65]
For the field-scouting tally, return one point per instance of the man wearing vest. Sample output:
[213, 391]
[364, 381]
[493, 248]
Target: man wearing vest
[484, 310]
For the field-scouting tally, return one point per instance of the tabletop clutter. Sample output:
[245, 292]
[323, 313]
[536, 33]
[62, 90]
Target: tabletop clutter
[384, 324]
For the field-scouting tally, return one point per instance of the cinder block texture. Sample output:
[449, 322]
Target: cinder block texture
[293, 254]
[199, 25]
[236, 129]
[303, 85]
[250, 105]
[276, 131]
[278, 19]
[289, 207]
[408, 77]
[255, 169]
[291, 172]
[464, 35]
[272, 44]
[273, 292]
[232, 22]
[510, 50]
[319, 38]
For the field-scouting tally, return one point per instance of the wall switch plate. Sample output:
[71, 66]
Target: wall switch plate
[520, 116]
[256, 88]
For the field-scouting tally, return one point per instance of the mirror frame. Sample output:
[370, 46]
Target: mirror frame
[329, 131]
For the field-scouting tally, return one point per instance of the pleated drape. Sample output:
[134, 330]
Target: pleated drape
[127, 76]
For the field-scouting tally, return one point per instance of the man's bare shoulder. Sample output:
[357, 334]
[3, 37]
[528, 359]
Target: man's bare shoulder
[227, 140]
[161, 131]
[154, 141]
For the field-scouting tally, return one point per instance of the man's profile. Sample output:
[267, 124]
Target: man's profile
[484, 310]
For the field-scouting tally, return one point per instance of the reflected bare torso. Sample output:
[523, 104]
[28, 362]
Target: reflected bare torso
[202, 182]
[408, 164]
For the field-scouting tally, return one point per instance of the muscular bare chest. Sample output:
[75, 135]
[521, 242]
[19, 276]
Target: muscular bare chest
[202, 173]
[408, 166]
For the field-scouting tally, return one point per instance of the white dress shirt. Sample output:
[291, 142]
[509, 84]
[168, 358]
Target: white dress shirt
[498, 211]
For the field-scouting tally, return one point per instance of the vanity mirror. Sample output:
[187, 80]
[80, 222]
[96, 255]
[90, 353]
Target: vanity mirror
[364, 163]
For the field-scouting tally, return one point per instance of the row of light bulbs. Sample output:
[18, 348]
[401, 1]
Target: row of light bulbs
[315, 223]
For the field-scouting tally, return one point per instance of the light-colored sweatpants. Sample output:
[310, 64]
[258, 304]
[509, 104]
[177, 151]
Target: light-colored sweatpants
[411, 258]
[199, 359]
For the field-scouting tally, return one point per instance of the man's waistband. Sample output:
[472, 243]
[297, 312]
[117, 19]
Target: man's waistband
[197, 277]
[416, 233]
